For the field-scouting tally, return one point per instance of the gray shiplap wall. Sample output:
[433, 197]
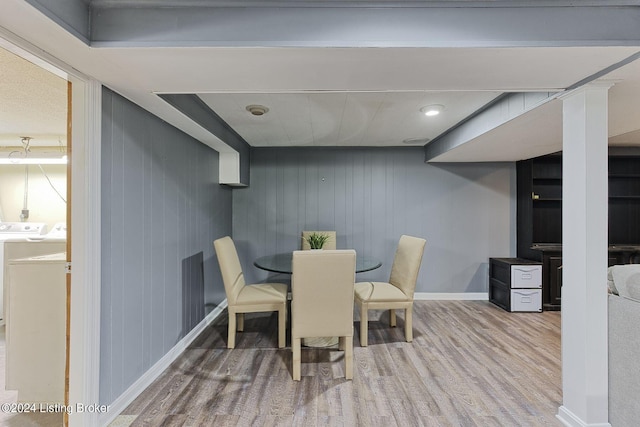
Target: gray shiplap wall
[371, 196]
[162, 207]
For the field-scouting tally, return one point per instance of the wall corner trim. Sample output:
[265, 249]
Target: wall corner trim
[569, 419]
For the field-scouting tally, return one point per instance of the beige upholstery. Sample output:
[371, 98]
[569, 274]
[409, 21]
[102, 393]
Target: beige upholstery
[322, 301]
[395, 294]
[329, 244]
[248, 298]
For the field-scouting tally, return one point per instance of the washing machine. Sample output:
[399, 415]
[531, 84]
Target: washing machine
[58, 233]
[12, 231]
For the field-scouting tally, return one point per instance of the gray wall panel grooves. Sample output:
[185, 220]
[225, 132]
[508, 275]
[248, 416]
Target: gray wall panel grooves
[371, 196]
[162, 207]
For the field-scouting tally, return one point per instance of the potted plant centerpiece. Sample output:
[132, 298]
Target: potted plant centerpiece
[317, 240]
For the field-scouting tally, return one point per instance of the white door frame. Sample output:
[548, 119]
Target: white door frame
[84, 369]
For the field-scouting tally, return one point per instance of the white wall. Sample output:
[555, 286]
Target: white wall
[44, 204]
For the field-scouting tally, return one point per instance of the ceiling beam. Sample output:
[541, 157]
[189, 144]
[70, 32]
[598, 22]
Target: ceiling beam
[72, 15]
[299, 26]
[493, 115]
[237, 172]
[502, 110]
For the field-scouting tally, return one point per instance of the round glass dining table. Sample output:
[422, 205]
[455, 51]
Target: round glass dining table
[281, 263]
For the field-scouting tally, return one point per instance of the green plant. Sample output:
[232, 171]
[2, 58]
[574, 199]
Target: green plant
[317, 240]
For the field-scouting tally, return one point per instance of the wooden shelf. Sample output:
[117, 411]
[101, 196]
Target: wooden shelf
[625, 197]
[539, 214]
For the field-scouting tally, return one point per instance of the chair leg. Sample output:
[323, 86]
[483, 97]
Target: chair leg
[341, 343]
[295, 348]
[364, 320]
[282, 327]
[408, 327]
[392, 318]
[348, 358]
[240, 327]
[231, 338]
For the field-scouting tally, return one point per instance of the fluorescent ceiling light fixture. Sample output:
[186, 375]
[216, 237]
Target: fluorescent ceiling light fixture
[24, 156]
[33, 161]
[432, 110]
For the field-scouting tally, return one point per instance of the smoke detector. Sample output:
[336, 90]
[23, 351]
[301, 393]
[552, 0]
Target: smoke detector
[257, 110]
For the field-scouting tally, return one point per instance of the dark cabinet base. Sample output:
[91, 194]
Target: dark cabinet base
[552, 271]
[500, 294]
[551, 281]
[508, 295]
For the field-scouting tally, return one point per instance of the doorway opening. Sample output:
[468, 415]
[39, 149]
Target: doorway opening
[34, 190]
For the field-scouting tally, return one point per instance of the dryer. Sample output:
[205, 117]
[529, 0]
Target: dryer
[12, 231]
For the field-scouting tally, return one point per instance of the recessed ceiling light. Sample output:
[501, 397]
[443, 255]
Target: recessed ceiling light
[416, 141]
[257, 110]
[432, 110]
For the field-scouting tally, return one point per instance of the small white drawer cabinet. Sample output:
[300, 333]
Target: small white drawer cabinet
[515, 284]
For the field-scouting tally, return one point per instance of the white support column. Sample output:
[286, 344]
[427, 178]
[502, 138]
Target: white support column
[584, 257]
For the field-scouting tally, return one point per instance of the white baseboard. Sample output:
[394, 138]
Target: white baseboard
[156, 370]
[570, 419]
[453, 296]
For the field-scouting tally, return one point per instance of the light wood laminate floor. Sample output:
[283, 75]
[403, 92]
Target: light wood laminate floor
[470, 364]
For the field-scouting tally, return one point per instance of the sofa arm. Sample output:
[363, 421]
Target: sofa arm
[624, 280]
[624, 351]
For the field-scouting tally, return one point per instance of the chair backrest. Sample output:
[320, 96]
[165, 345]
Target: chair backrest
[322, 293]
[329, 244]
[230, 268]
[406, 264]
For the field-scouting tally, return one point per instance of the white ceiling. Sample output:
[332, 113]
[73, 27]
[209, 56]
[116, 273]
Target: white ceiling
[334, 96]
[343, 118]
[390, 113]
[33, 103]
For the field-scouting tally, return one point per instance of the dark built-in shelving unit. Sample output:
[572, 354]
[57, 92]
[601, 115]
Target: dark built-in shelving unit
[539, 214]
[624, 200]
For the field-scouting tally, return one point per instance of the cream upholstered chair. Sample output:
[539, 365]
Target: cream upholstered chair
[395, 294]
[329, 244]
[322, 301]
[248, 298]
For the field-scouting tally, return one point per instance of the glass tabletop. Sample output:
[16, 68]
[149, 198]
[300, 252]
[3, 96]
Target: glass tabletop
[281, 263]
